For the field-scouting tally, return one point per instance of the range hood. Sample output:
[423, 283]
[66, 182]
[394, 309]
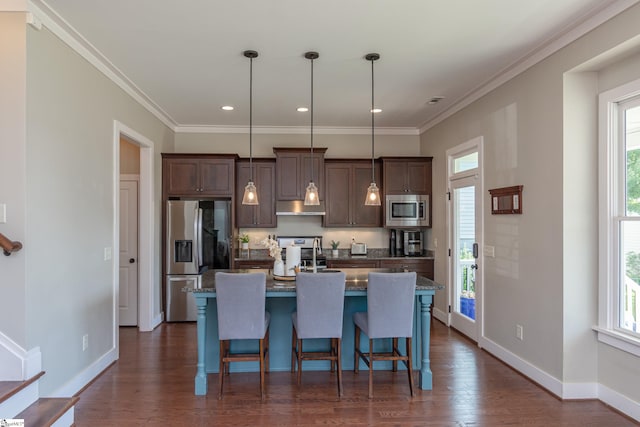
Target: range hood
[297, 207]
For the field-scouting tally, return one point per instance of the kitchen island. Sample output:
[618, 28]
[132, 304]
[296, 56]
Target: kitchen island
[281, 303]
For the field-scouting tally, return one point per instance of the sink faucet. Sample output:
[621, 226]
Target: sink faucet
[316, 244]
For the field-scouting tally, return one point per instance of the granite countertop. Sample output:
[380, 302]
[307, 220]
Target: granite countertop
[356, 280]
[343, 254]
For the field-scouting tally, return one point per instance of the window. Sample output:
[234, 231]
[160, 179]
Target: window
[619, 192]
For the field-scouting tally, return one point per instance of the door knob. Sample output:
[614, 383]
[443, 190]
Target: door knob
[131, 260]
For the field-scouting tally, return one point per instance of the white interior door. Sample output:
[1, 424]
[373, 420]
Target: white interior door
[465, 238]
[128, 267]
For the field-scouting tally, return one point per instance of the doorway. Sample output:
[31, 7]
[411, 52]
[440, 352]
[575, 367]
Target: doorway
[464, 171]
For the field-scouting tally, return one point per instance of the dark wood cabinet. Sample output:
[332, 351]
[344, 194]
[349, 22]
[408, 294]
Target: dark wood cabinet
[352, 263]
[253, 264]
[264, 176]
[406, 175]
[211, 175]
[293, 172]
[346, 184]
[421, 266]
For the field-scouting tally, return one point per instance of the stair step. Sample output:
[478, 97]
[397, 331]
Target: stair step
[46, 411]
[10, 388]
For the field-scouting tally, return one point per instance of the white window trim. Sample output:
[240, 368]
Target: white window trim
[608, 152]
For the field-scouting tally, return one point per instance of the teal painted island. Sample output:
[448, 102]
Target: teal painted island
[281, 302]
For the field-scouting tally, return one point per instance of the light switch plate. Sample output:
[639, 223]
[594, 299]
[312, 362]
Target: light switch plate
[3, 213]
[107, 254]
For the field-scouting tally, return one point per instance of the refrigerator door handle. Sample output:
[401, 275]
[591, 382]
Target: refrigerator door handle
[198, 234]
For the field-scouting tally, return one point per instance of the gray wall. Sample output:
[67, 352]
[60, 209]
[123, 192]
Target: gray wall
[71, 171]
[540, 130]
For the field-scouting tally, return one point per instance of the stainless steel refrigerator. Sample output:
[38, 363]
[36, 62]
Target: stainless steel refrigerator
[198, 239]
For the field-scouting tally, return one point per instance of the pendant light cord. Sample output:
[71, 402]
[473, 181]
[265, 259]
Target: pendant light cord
[312, 119]
[251, 118]
[373, 175]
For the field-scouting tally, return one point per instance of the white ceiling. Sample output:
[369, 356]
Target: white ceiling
[186, 57]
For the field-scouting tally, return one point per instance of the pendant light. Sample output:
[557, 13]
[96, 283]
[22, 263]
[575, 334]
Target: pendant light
[250, 196]
[373, 193]
[311, 196]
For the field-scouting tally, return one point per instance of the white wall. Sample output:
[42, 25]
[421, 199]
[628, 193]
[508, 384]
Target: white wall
[546, 256]
[70, 195]
[12, 173]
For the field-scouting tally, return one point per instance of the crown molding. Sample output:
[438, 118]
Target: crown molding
[298, 130]
[72, 38]
[591, 20]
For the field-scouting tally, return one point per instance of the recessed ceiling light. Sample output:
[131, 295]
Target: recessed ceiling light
[435, 100]
[376, 110]
[302, 109]
[227, 107]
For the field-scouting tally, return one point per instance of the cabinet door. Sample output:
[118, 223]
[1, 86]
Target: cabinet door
[362, 215]
[395, 177]
[352, 263]
[217, 177]
[417, 173]
[265, 180]
[181, 177]
[263, 215]
[338, 195]
[253, 264]
[288, 177]
[423, 267]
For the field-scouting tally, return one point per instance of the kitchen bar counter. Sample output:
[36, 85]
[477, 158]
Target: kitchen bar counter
[281, 303]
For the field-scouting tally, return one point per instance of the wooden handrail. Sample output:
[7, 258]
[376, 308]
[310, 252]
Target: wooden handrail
[8, 246]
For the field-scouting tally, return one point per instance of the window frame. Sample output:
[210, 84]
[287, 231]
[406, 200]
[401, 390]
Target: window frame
[610, 180]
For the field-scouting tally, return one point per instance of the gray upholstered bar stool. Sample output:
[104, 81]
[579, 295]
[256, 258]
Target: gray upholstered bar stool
[320, 308]
[242, 316]
[390, 304]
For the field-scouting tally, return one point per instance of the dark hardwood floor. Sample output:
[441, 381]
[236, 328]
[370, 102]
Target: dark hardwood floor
[152, 385]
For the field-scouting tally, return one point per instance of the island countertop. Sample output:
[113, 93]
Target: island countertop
[356, 279]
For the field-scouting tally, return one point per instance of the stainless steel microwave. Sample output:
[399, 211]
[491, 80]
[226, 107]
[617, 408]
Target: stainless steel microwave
[407, 210]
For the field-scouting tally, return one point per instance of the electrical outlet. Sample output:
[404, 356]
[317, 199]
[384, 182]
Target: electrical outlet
[519, 332]
[85, 342]
[107, 254]
[489, 251]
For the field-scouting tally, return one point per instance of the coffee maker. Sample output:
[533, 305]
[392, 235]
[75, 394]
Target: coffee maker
[405, 242]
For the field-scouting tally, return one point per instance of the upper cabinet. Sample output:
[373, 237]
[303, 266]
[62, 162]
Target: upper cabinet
[211, 175]
[293, 172]
[346, 184]
[264, 176]
[409, 175]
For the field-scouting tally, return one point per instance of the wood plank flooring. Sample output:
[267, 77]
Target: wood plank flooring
[152, 385]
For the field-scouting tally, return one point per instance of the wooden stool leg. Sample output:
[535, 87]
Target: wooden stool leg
[370, 368]
[410, 364]
[262, 369]
[394, 350]
[356, 350]
[221, 368]
[266, 351]
[294, 339]
[339, 363]
[332, 351]
[299, 362]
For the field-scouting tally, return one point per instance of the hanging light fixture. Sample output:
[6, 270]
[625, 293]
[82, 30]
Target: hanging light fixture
[311, 195]
[250, 193]
[373, 193]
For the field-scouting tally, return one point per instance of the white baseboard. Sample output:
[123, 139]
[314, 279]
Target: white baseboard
[16, 363]
[620, 402]
[534, 373]
[157, 320]
[85, 377]
[441, 316]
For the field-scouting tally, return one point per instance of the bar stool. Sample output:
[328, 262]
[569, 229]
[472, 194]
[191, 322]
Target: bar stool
[320, 308]
[390, 304]
[242, 316]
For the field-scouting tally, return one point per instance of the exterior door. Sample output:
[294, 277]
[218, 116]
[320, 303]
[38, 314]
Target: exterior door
[465, 238]
[128, 260]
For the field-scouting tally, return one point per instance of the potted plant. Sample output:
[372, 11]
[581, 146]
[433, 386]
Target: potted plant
[244, 240]
[334, 248]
